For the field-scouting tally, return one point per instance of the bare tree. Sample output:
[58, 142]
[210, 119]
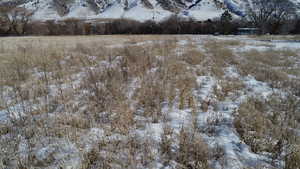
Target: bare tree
[61, 6]
[14, 19]
[4, 19]
[20, 18]
[270, 15]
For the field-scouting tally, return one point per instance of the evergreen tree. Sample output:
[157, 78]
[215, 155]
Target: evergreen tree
[226, 20]
[226, 17]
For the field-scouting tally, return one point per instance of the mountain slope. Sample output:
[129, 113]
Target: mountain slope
[133, 9]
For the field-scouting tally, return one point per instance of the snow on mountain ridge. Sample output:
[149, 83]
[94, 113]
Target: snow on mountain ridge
[132, 9]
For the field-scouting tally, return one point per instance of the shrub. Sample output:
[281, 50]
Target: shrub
[192, 152]
[292, 160]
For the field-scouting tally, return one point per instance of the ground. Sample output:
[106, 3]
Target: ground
[155, 101]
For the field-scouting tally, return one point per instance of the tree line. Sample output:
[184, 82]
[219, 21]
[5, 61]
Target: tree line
[269, 16]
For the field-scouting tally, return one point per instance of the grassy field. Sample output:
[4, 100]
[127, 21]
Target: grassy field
[91, 102]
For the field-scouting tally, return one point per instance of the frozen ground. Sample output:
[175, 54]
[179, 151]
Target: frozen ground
[209, 108]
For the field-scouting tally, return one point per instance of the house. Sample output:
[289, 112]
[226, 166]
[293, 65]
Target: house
[247, 31]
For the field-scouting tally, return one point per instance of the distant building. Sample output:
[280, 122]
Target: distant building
[247, 31]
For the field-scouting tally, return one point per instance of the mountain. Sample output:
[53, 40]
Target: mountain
[133, 9]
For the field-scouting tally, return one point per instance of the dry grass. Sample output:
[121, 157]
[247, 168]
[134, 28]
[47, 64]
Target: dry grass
[269, 66]
[193, 57]
[220, 56]
[228, 87]
[232, 43]
[63, 87]
[266, 126]
[271, 57]
[55, 78]
[193, 152]
[277, 37]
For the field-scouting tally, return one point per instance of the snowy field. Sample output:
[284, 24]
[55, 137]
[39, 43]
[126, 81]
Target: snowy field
[196, 102]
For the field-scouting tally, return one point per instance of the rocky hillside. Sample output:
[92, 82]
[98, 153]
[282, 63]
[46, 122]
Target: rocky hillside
[133, 9]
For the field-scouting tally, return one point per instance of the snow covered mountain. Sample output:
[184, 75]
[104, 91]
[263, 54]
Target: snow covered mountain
[133, 9]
